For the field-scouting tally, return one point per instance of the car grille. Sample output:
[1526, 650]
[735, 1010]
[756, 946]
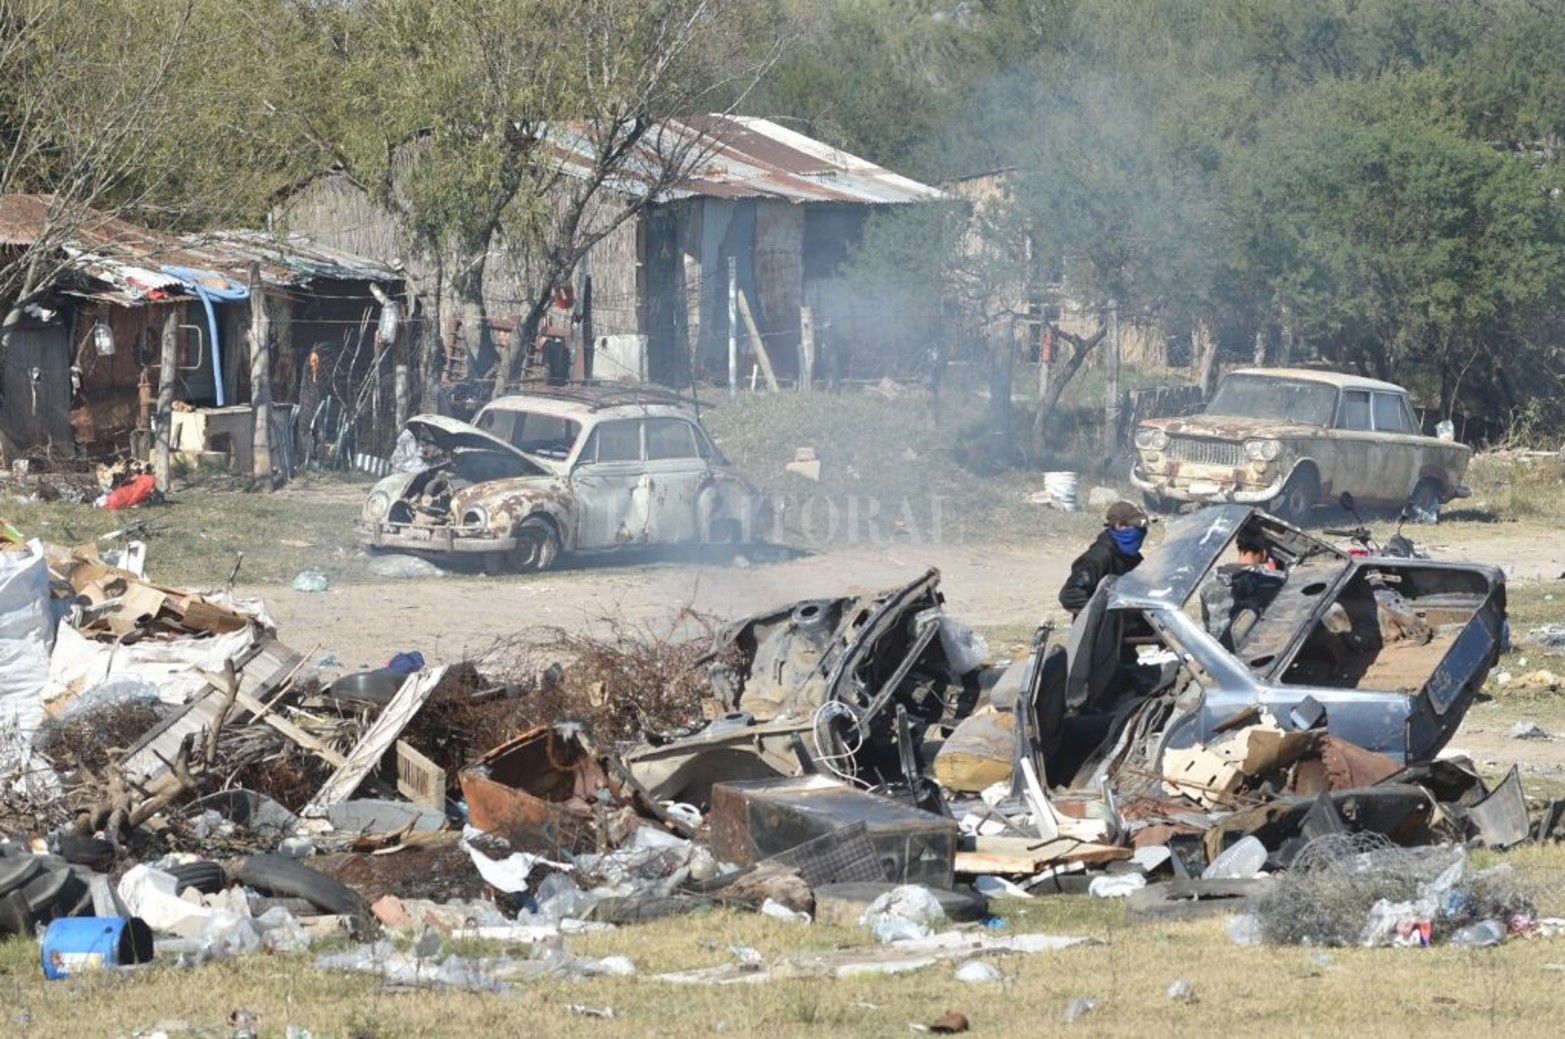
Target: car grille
[1206, 452]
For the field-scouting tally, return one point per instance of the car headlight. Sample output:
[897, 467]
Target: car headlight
[1263, 450]
[476, 516]
[376, 506]
[1149, 439]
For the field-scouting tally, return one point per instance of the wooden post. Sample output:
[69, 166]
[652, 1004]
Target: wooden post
[260, 382]
[402, 389]
[168, 371]
[1111, 401]
[758, 344]
[733, 327]
[806, 347]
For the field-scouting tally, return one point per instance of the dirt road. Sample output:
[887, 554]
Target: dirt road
[453, 617]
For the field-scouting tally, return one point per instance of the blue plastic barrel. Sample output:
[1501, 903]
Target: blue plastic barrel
[76, 944]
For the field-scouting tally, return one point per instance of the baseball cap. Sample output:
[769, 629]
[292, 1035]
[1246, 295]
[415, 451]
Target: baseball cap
[1124, 513]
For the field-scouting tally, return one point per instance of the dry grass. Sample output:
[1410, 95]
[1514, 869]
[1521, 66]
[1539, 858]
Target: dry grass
[1515, 485]
[1241, 991]
[194, 539]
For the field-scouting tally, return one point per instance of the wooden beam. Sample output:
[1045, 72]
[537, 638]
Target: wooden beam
[381, 735]
[757, 343]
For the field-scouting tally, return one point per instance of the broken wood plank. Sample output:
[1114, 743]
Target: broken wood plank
[757, 343]
[1025, 861]
[382, 734]
[315, 746]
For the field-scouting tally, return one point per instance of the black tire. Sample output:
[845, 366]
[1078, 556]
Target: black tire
[1299, 495]
[15, 917]
[17, 871]
[95, 853]
[725, 532]
[206, 877]
[1426, 497]
[277, 875]
[1157, 505]
[537, 546]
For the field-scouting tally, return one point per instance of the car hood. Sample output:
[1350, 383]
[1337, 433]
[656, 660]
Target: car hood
[1191, 544]
[452, 435]
[1229, 427]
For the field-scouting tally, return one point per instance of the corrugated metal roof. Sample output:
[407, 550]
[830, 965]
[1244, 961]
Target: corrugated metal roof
[129, 257]
[746, 157]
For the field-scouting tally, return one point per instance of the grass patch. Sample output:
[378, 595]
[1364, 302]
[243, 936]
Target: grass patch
[1517, 486]
[1241, 991]
[194, 539]
[891, 470]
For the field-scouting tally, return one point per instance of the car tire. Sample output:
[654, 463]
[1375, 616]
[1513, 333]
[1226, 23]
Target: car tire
[1156, 504]
[280, 876]
[1299, 495]
[537, 546]
[1426, 497]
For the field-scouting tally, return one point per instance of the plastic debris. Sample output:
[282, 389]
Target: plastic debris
[777, 911]
[1244, 858]
[1080, 1008]
[1182, 991]
[977, 972]
[1118, 885]
[310, 580]
[903, 913]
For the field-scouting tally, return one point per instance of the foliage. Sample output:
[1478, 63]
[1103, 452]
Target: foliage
[452, 115]
[143, 113]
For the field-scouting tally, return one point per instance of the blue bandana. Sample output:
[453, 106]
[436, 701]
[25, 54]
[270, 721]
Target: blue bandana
[1129, 539]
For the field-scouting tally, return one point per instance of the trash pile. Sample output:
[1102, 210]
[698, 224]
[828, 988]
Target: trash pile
[856, 759]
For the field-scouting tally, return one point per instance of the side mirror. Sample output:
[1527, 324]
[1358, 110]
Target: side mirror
[1345, 499]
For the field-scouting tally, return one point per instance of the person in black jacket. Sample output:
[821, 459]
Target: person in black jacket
[1117, 550]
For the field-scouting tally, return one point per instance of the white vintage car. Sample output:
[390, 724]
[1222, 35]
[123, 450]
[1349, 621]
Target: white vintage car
[562, 470]
[1288, 439]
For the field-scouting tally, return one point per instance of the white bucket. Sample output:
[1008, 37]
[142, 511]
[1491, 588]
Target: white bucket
[1061, 489]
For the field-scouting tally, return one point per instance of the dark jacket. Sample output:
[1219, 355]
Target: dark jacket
[1102, 558]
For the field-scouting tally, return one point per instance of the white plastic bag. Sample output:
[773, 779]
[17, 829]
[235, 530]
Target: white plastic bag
[908, 911]
[26, 637]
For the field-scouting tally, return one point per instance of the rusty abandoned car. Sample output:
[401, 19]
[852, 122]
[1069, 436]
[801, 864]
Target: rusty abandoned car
[1290, 439]
[562, 470]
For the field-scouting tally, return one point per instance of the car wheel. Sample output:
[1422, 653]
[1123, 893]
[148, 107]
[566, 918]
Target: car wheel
[1157, 504]
[725, 532]
[537, 545]
[1426, 499]
[1298, 497]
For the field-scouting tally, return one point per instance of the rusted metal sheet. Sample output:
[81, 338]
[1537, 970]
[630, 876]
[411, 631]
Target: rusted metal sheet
[745, 157]
[540, 789]
[129, 258]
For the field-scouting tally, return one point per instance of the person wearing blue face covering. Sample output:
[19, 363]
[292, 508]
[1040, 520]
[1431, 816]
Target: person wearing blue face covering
[1117, 550]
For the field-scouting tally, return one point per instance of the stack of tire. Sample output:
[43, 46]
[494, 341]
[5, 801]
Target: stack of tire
[36, 889]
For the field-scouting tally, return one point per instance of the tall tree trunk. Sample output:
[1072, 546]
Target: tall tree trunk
[1002, 447]
[1080, 348]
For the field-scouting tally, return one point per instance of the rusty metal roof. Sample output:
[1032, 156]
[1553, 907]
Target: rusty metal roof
[129, 258]
[745, 157]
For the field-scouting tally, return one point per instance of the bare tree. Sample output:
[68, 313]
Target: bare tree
[135, 112]
[522, 129]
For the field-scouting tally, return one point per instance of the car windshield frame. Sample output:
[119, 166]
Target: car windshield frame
[504, 422]
[1285, 401]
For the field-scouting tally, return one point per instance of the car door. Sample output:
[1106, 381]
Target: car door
[677, 470]
[1399, 446]
[612, 486]
[1354, 464]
